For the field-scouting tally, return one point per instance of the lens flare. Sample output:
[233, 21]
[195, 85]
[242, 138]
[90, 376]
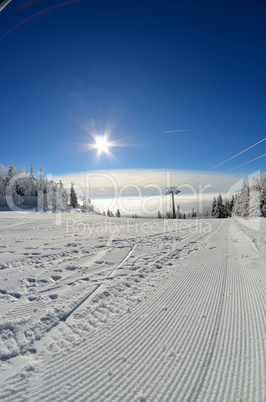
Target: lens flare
[37, 14]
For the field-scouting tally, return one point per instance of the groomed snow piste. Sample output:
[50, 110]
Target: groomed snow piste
[106, 309]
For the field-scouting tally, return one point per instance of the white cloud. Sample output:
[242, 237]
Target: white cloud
[143, 191]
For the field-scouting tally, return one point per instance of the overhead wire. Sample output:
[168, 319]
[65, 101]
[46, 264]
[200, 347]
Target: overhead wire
[230, 170]
[227, 160]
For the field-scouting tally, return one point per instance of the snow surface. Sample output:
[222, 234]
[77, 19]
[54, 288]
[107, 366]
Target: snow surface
[98, 309]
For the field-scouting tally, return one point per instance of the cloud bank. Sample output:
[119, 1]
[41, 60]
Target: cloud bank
[142, 192]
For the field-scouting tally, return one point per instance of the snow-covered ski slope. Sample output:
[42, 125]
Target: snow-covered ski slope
[97, 309]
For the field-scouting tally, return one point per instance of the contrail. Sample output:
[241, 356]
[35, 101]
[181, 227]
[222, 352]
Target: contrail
[188, 129]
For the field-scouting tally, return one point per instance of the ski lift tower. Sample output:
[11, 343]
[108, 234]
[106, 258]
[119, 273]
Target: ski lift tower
[173, 191]
[4, 3]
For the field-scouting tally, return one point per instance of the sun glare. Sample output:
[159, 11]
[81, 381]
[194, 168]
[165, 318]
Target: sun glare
[101, 144]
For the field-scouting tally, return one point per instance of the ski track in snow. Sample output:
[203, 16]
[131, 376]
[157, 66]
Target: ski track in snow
[165, 315]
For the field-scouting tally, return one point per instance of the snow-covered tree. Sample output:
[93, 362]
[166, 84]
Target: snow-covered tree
[231, 204]
[11, 172]
[263, 195]
[193, 213]
[255, 198]
[73, 197]
[179, 213]
[62, 196]
[3, 179]
[40, 191]
[241, 205]
[227, 210]
[218, 208]
[168, 215]
[87, 206]
[213, 208]
[19, 185]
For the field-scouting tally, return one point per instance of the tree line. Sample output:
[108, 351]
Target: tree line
[179, 214]
[249, 202]
[25, 189]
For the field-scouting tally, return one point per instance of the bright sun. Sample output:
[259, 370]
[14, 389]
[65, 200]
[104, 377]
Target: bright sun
[101, 143]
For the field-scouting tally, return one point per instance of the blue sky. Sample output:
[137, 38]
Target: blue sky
[135, 69]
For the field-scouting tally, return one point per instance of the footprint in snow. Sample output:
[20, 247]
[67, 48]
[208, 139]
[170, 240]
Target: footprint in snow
[3, 292]
[32, 298]
[71, 268]
[43, 280]
[15, 294]
[53, 297]
[56, 277]
[31, 280]
[71, 245]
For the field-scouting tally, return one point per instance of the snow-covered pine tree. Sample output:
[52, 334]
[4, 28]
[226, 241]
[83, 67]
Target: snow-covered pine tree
[31, 187]
[231, 204]
[220, 210]
[73, 197]
[243, 200]
[263, 195]
[213, 208]
[179, 213]
[168, 215]
[50, 195]
[227, 210]
[3, 178]
[11, 172]
[193, 213]
[236, 206]
[64, 196]
[40, 191]
[61, 197]
[255, 198]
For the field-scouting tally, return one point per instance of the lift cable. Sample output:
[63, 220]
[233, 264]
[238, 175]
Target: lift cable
[227, 160]
[219, 174]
